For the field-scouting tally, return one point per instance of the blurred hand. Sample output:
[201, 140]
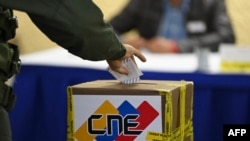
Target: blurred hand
[176, 2]
[161, 45]
[136, 42]
[116, 65]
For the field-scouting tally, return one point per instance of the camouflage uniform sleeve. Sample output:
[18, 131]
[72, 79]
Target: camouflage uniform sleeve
[77, 26]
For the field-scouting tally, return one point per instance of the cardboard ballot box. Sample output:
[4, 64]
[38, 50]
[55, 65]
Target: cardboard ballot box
[107, 110]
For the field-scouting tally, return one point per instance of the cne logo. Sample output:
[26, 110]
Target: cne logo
[109, 123]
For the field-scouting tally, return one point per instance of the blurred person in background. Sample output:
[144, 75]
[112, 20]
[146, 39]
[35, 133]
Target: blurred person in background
[175, 26]
[77, 26]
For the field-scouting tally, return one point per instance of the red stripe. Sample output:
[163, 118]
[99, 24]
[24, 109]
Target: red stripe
[147, 115]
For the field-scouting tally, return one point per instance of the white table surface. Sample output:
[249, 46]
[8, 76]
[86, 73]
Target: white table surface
[58, 56]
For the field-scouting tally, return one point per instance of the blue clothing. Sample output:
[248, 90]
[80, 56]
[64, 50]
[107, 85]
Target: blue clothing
[173, 22]
[146, 16]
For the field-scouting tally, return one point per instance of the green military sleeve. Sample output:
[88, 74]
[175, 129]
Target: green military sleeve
[76, 25]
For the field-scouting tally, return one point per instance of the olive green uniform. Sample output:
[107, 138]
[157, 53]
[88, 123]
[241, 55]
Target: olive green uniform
[76, 25]
[10, 63]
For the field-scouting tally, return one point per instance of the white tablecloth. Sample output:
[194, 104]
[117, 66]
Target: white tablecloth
[58, 56]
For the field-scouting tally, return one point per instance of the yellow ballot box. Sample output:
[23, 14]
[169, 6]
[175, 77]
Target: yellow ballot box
[150, 110]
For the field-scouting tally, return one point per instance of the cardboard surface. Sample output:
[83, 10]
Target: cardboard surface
[149, 110]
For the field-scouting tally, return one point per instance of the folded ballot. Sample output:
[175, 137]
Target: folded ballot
[134, 72]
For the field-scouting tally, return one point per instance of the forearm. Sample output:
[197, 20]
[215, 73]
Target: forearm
[77, 26]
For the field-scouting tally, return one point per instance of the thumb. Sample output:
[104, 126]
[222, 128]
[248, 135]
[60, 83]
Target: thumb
[123, 70]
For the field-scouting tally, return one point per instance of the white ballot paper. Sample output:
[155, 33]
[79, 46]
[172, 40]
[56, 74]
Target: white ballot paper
[134, 72]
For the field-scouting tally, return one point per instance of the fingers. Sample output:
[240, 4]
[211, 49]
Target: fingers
[133, 51]
[117, 65]
[122, 70]
[139, 55]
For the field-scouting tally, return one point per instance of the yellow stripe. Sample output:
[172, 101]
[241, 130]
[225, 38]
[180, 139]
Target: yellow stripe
[81, 134]
[191, 134]
[155, 136]
[176, 134]
[70, 116]
[182, 110]
[185, 129]
[168, 116]
[235, 66]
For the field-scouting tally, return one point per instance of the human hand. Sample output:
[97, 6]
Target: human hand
[136, 42]
[116, 65]
[161, 45]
